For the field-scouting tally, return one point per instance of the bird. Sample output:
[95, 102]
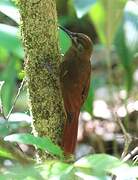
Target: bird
[75, 73]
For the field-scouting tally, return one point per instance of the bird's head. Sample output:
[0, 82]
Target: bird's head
[80, 41]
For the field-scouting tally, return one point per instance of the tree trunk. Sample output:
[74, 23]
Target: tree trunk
[40, 39]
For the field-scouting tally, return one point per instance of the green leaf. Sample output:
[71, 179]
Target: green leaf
[4, 153]
[130, 25]
[126, 42]
[125, 57]
[10, 40]
[19, 172]
[82, 7]
[50, 170]
[65, 41]
[3, 54]
[42, 143]
[3, 128]
[97, 15]
[102, 161]
[57, 170]
[98, 164]
[9, 10]
[16, 121]
[106, 16]
[88, 105]
[9, 76]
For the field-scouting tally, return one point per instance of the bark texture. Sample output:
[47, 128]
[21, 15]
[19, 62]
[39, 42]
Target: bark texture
[40, 39]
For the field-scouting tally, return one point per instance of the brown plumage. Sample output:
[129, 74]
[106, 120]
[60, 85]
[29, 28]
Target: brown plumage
[75, 74]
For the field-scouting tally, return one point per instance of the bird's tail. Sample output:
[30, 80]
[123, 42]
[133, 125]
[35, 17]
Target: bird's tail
[70, 134]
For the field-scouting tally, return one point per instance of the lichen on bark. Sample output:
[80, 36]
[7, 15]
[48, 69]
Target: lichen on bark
[40, 39]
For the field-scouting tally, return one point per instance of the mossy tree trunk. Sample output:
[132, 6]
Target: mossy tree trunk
[40, 39]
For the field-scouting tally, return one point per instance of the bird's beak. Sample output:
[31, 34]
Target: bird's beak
[70, 34]
[67, 31]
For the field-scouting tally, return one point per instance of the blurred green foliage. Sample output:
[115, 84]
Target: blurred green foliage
[109, 18]
[41, 143]
[97, 166]
[113, 27]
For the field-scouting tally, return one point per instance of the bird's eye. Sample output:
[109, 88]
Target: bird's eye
[80, 47]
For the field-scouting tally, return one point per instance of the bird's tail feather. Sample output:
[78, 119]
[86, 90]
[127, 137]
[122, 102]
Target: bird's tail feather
[70, 134]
